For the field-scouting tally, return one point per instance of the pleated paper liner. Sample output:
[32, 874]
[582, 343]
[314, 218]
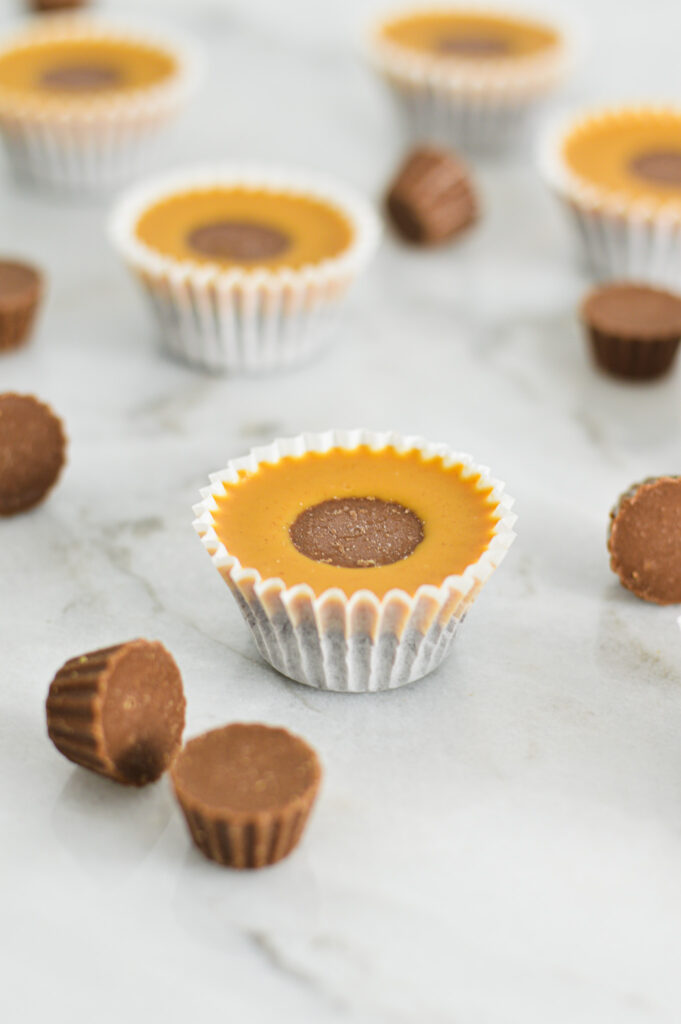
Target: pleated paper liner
[361, 643]
[245, 319]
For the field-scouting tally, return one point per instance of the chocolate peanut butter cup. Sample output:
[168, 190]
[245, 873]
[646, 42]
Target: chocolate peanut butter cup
[634, 329]
[45, 6]
[432, 199]
[21, 288]
[119, 711]
[246, 792]
[32, 452]
[645, 540]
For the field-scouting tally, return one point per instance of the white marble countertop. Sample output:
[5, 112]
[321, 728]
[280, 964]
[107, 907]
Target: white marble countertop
[498, 843]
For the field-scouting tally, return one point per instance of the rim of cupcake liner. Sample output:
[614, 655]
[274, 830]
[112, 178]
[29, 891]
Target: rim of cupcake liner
[598, 198]
[495, 75]
[136, 101]
[463, 583]
[366, 227]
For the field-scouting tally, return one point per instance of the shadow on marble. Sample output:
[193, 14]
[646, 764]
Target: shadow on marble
[108, 828]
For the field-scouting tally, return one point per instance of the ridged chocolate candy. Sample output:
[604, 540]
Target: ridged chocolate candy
[119, 711]
[246, 791]
[432, 198]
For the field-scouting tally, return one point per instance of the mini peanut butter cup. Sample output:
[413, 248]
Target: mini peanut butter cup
[32, 452]
[634, 330]
[21, 288]
[432, 198]
[246, 791]
[44, 6]
[645, 539]
[119, 711]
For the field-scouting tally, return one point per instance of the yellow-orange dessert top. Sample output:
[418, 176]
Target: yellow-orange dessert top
[240, 226]
[468, 34]
[257, 514]
[635, 154]
[81, 68]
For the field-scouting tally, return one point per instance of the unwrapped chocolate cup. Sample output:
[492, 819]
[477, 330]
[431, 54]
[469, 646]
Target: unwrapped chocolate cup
[32, 452]
[432, 197]
[643, 539]
[21, 289]
[119, 711]
[634, 330]
[246, 792]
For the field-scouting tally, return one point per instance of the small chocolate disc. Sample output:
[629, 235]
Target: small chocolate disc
[119, 711]
[32, 452]
[662, 167]
[645, 540]
[80, 77]
[238, 240]
[56, 5]
[246, 791]
[356, 533]
[479, 45]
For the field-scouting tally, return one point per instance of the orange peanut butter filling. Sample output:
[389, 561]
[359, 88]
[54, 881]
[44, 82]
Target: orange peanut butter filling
[241, 226]
[635, 153]
[466, 34]
[73, 68]
[357, 519]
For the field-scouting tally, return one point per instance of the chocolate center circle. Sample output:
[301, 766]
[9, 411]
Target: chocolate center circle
[238, 240]
[357, 533]
[479, 45]
[661, 166]
[80, 77]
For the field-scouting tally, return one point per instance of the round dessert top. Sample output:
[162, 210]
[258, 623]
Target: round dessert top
[20, 284]
[357, 519]
[644, 541]
[633, 311]
[635, 154]
[32, 452]
[56, 66]
[460, 34]
[234, 226]
[246, 769]
[142, 710]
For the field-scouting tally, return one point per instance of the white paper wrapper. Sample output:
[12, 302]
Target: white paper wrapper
[620, 239]
[238, 319]
[361, 643]
[484, 106]
[92, 144]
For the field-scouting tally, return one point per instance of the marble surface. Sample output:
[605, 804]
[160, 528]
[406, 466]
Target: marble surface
[498, 843]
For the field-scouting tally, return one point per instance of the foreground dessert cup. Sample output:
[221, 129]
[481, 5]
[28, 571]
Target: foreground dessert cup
[83, 103]
[617, 172]
[467, 78]
[361, 552]
[245, 266]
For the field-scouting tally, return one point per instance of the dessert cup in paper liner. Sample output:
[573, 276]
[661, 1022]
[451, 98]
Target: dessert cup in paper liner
[619, 237]
[485, 106]
[359, 643]
[245, 318]
[92, 141]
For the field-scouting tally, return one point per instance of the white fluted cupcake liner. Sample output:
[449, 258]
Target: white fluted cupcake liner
[361, 643]
[619, 239]
[482, 107]
[244, 320]
[95, 143]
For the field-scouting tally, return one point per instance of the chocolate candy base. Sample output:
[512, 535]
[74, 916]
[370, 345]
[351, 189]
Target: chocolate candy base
[643, 541]
[632, 358]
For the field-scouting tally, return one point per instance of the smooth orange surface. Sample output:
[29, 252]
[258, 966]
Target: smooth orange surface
[254, 516]
[139, 65]
[425, 30]
[601, 150]
[317, 230]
